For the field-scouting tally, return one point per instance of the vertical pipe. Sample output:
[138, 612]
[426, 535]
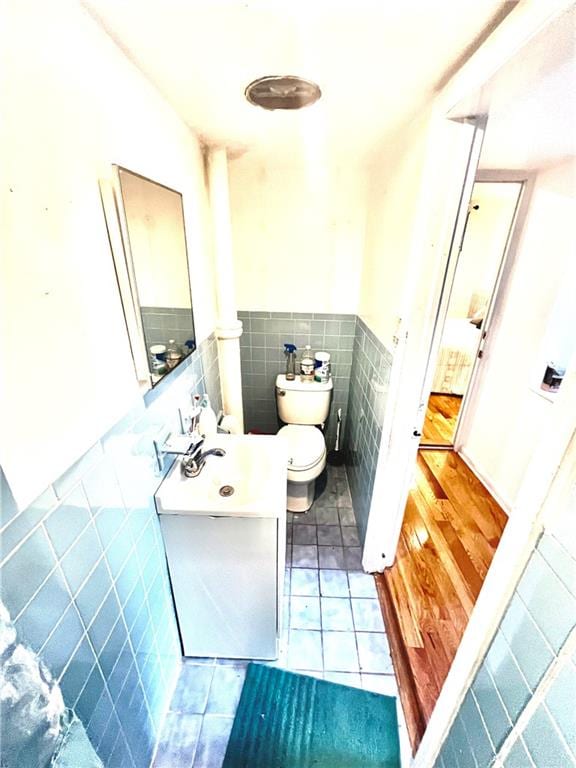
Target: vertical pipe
[229, 328]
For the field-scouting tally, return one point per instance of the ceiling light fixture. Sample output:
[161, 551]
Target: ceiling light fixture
[282, 92]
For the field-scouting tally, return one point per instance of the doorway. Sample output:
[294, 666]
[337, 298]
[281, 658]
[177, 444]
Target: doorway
[460, 338]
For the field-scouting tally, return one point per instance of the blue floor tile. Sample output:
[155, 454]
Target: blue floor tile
[374, 653]
[367, 615]
[329, 535]
[192, 689]
[304, 581]
[225, 689]
[305, 650]
[331, 557]
[304, 556]
[213, 741]
[340, 653]
[337, 614]
[178, 741]
[334, 583]
[304, 612]
[362, 584]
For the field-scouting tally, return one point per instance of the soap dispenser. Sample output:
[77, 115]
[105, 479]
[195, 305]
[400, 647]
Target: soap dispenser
[290, 352]
[207, 421]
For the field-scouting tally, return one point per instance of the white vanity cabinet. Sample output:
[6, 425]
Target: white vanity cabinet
[224, 573]
[226, 555]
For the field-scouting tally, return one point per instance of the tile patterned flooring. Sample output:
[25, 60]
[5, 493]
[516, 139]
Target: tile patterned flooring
[333, 629]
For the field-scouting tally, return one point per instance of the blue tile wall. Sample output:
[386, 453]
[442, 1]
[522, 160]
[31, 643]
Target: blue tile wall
[83, 574]
[531, 636]
[160, 324]
[262, 357]
[369, 380]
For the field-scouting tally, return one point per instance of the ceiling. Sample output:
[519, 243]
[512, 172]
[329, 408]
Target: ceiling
[530, 102]
[376, 61]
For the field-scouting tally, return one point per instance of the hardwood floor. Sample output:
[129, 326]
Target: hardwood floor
[441, 417]
[451, 529]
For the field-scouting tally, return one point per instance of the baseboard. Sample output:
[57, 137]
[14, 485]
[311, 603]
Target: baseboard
[415, 721]
[485, 480]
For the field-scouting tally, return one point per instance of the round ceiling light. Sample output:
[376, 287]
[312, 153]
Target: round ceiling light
[282, 92]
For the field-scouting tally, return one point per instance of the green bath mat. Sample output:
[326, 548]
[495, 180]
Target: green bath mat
[285, 720]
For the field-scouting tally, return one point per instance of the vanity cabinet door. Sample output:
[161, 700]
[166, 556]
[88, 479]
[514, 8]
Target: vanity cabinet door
[224, 580]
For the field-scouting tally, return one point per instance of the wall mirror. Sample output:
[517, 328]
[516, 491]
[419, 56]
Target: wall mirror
[152, 269]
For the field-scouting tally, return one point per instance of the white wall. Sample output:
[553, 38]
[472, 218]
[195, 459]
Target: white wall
[72, 105]
[395, 174]
[298, 229]
[536, 322]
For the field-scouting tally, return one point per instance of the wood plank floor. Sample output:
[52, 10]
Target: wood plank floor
[451, 529]
[440, 421]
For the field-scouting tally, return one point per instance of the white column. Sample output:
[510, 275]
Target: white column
[229, 328]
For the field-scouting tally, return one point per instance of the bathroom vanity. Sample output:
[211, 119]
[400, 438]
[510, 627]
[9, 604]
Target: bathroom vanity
[225, 538]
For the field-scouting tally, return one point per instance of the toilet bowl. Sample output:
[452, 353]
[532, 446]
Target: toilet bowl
[301, 406]
[306, 452]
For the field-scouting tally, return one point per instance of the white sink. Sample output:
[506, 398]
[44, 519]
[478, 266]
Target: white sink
[253, 468]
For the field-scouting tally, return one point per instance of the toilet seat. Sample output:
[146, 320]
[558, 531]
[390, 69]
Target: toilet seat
[305, 445]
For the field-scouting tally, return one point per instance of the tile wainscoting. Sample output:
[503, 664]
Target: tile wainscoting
[530, 645]
[361, 371]
[83, 575]
[262, 354]
[368, 393]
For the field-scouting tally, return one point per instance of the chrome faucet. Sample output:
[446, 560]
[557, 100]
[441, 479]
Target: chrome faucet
[194, 462]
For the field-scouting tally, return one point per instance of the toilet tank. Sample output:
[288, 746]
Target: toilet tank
[303, 402]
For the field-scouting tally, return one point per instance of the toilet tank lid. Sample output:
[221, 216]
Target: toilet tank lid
[303, 386]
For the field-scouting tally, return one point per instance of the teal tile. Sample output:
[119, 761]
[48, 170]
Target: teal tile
[477, 735]
[90, 695]
[527, 644]
[58, 649]
[518, 757]
[544, 743]
[92, 594]
[68, 521]
[560, 560]
[506, 674]
[74, 474]
[102, 488]
[495, 716]
[561, 702]
[460, 745]
[552, 607]
[8, 507]
[21, 525]
[104, 621]
[81, 558]
[77, 672]
[19, 580]
[43, 613]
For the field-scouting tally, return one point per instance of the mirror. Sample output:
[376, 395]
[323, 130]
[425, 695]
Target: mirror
[156, 285]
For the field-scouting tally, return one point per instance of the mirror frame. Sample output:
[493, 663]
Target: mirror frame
[119, 239]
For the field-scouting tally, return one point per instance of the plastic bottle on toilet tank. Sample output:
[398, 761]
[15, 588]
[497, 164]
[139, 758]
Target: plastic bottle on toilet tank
[307, 364]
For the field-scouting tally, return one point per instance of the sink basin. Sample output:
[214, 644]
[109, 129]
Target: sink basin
[249, 481]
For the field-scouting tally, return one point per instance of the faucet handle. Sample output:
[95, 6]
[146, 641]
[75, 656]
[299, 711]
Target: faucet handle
[195, 448]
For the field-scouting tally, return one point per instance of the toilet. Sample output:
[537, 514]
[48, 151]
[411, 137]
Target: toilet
[302, 406]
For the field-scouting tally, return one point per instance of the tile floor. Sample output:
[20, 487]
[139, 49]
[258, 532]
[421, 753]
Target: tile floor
[333, 629]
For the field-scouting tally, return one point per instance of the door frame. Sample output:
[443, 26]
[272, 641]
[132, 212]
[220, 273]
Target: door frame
[497, 305]
[486, 324]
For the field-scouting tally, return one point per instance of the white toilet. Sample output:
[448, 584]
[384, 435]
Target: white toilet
[302, 406]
